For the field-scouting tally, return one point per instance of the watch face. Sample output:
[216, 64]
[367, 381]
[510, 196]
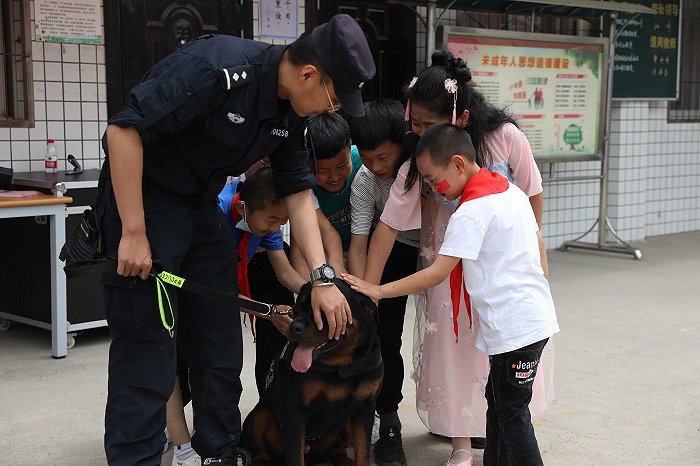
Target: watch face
[328, 272]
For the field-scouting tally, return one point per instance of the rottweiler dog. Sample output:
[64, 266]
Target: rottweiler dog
[320, 393]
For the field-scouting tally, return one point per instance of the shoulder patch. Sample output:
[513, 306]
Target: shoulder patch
[236, 76]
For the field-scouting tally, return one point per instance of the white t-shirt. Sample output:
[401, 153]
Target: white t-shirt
[496, 237]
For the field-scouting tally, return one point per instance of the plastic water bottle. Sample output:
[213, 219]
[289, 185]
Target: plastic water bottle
[51, 160]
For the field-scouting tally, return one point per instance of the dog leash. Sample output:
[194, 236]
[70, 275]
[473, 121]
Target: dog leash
[109, 264]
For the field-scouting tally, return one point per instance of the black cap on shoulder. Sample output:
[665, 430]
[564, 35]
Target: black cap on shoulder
[344, 54]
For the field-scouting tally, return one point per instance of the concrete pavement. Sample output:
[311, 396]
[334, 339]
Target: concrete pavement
[626, 376]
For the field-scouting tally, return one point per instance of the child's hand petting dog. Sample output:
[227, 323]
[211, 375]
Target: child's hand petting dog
[366, 288]
[282, 322]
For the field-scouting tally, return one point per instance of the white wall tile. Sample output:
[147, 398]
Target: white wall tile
[71, 53]
[89, 111]
[54, 111]
[90, 130]
[55, 129]
[88, 54]
[53, 71]
[88, 73]
[20, 150]
[73, 111]
[54, 91]
[5, 154]
[71, 92]
[88, 92]
[71, 72]
[74, 130]
[52, 51]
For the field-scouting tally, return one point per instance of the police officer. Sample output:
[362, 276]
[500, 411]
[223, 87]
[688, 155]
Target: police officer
[209, 110]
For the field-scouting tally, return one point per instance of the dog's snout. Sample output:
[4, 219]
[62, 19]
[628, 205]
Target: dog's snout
[297, 328]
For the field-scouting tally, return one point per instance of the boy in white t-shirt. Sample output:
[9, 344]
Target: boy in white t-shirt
[490, 251]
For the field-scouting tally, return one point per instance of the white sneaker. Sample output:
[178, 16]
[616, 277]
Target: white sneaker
[168, 441]
[375, 429]
[193, 460]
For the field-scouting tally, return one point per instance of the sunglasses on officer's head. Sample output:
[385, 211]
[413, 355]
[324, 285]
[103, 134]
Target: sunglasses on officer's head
[334, 107]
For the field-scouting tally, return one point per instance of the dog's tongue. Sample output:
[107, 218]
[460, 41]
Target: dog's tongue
[301, 359]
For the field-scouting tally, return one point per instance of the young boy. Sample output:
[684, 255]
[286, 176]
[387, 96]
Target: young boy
[378, 136]
[254, 217]
[335, 163]
[491, 251]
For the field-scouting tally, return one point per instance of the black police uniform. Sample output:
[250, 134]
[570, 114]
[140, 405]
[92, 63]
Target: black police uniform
[207, 111]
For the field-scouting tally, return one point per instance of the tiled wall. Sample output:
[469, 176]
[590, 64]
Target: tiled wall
[70, 106]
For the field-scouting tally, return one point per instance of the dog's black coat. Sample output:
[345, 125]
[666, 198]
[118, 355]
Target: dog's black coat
[330, 405]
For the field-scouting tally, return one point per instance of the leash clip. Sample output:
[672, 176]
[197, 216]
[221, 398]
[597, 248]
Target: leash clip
[272, 311]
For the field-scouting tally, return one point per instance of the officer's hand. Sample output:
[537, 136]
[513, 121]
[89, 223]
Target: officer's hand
[335, 307]
[134, 255]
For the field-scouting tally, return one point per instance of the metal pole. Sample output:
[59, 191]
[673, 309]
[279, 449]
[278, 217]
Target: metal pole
[603, 212]
[430, 30]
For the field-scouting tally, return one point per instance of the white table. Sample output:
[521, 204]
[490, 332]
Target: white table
[53, 207]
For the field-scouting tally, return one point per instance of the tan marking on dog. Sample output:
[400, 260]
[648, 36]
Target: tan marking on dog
[360, 445]
[313, 390]
[368, 389]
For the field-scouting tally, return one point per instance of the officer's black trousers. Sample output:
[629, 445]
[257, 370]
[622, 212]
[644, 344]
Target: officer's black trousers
[265, 287]
[401, 263]
[191, 239]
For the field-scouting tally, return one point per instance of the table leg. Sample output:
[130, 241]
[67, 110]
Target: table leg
[59, 315]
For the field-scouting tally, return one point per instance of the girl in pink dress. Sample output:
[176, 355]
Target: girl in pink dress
[449, 371]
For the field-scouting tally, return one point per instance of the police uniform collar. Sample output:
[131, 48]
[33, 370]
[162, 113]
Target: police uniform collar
[269, 81]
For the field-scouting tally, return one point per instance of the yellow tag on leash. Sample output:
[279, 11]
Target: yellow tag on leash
[171, 279]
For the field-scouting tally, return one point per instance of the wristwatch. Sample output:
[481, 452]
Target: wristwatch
[325, 272]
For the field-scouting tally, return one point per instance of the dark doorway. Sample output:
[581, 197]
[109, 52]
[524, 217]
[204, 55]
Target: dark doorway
[391, 33]
[138, 33]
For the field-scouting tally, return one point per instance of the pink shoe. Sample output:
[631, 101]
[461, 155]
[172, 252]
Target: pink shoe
[463, 463]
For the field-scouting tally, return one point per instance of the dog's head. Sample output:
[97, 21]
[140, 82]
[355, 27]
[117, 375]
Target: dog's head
[313, 345]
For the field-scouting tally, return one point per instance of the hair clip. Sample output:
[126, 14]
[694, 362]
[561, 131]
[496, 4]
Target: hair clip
[451, 87]
[408, 102]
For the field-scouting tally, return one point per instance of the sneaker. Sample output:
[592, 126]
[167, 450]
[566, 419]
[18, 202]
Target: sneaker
[193, 460]
[168, 442]
[230, 457]
[388, 451]
[375, 429]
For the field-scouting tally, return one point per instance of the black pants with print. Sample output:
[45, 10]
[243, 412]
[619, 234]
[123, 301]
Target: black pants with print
[190, 238]
[401, 263]
[509, 432]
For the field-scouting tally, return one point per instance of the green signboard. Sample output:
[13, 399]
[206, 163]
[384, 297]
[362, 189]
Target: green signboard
[646, 53]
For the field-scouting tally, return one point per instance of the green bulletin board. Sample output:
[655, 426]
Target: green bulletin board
[646, 53]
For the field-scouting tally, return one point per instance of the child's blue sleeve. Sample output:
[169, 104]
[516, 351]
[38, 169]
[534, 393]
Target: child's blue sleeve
[272, 241]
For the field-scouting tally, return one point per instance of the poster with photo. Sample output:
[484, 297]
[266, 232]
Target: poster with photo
[552, 85]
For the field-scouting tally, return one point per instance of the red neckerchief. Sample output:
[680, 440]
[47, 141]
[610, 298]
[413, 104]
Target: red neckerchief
[481, 184]
[242, 249]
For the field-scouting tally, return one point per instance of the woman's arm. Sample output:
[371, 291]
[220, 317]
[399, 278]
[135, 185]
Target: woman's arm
[537, 203]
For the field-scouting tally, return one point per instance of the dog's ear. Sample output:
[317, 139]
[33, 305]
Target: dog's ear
[304, 294]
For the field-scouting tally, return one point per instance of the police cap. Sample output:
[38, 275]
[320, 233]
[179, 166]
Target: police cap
[343, 53]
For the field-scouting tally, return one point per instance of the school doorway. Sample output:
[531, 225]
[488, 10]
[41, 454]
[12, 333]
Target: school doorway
[138, 33]
[391, 34]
